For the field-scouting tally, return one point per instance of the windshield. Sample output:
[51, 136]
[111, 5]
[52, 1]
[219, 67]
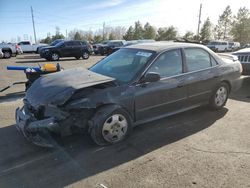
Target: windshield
[124, 64]
[59, 44]
[55, 42]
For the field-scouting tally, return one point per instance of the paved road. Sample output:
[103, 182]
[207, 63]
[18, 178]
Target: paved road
[199, 148]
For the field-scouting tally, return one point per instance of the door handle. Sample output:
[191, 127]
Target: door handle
[216, 77]
[179, 86]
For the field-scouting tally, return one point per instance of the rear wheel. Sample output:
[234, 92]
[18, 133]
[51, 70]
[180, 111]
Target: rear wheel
[54, 57]
[219, 97]
[6, 54]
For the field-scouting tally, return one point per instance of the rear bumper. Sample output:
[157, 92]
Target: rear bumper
[35, 131]
[236, 84]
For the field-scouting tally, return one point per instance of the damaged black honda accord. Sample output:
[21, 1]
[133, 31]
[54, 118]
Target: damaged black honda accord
[134, 85]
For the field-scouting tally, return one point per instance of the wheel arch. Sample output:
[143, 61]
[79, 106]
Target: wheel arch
[55, 51]
[7, 49]
[112, 106]
[228, 84]
[108, 107]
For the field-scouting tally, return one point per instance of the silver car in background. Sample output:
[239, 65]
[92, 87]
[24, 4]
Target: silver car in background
[244, 58]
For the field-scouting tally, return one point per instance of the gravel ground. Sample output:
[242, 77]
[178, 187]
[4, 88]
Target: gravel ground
[198, 148]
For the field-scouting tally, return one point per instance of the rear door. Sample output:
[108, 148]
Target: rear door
[165, 96]
[77, 49]
[202, 75]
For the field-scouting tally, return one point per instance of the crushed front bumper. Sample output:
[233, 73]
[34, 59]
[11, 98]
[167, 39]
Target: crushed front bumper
[35, 131]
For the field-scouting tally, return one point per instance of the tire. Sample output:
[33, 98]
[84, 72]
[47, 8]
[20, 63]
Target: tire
[85, 55]
[110, 125]
[7, 54]
[219, 97]
[54, 56]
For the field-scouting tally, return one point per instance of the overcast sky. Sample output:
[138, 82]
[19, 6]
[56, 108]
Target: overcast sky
[15, 15]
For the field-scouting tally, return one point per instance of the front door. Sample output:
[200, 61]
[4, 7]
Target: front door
[166, 96]
[67, 49]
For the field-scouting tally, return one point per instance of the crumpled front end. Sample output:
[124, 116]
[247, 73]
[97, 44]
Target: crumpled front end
[34, 130]
[45, 105]
[36, 125]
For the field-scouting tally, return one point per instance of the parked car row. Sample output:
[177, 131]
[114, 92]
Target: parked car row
[223, 46]
[108, 47]
[13, 49]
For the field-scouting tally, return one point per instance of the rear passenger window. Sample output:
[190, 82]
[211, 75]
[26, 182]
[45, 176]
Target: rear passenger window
[197, 59]
[168, 64]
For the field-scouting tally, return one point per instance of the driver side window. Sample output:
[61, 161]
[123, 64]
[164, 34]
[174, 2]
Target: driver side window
[168, 64]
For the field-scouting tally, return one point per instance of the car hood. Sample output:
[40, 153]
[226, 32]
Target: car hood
[47, 47]
[57, 88]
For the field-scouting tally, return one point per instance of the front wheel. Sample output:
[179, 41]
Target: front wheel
[110, 125]
[54, 57]
[85, 55]
[219, 97]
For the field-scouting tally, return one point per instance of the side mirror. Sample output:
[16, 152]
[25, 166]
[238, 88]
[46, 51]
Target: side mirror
[151, 77]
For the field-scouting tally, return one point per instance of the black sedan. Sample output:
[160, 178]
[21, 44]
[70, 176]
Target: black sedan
[134, 85]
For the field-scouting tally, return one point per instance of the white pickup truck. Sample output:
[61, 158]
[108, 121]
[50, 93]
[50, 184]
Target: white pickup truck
[10, 49]
[26, 46]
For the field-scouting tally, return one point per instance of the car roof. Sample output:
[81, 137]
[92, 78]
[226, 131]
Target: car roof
[163, 45]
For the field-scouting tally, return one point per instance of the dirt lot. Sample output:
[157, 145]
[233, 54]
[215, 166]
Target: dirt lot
[199, 148]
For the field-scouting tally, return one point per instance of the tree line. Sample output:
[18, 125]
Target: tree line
[229, 27]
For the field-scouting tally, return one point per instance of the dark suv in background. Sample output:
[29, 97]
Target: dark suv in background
[107, 49]
[70, 48]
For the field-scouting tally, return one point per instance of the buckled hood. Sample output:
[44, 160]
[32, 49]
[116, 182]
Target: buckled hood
[57, 88]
